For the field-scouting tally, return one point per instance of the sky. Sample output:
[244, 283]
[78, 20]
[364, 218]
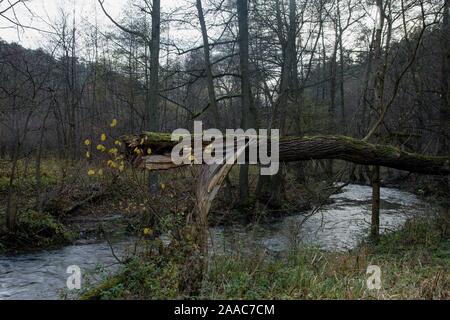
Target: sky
[43, 13]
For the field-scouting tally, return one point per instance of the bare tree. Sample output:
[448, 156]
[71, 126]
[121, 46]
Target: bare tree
[248, 116]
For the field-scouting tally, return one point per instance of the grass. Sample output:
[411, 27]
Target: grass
[415, 264]
[26, 172]
[316, 275]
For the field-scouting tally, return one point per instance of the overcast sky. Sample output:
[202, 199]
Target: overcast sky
[43, 12]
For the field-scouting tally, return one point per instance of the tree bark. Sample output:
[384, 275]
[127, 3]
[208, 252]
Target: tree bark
[210, 80]
[152, 122]
[376, 199]
[247, 120]
[378, 84]
[445, 93]
[303, 149]
[289, 79]
[209, 74]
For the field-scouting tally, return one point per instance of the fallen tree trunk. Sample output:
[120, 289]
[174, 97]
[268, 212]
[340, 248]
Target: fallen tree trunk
[153, 151]
[300, 149]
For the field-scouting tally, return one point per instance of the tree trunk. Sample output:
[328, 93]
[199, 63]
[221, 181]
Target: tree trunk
[38, 163]
[375, 226]
[342, 81]
[304, 149]
[379, 95]
[248, 120]
[152, 123]
[210, 80]
[445, 93]
[11, 201]
[209, 74]
[288, 82]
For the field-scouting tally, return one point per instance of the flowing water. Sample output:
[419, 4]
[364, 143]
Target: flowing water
[43, 275]
[337, 226]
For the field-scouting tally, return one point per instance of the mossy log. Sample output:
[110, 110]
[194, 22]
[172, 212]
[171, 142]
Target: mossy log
[299, 149]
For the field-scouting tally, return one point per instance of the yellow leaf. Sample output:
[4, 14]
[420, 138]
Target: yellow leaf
[118, 143]
[149, 151]
[88, 154]
[101, 148]
[100, 172]
[163, 186]
[113, 151]
[87, 142]
[114, 123]
[148, 231]
[103, 137]
[112, 164]
[91, 173]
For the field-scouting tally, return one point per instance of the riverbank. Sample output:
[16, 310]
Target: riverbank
[419, 270]
[69, 205]
[414, 261]
[66, 206]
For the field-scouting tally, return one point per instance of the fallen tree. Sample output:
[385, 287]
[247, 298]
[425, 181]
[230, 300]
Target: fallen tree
[300, 149]
[152, 151]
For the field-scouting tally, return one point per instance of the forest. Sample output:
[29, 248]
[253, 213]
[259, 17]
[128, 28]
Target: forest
[91, 92]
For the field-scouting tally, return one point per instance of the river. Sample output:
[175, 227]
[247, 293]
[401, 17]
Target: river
[335, 227]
